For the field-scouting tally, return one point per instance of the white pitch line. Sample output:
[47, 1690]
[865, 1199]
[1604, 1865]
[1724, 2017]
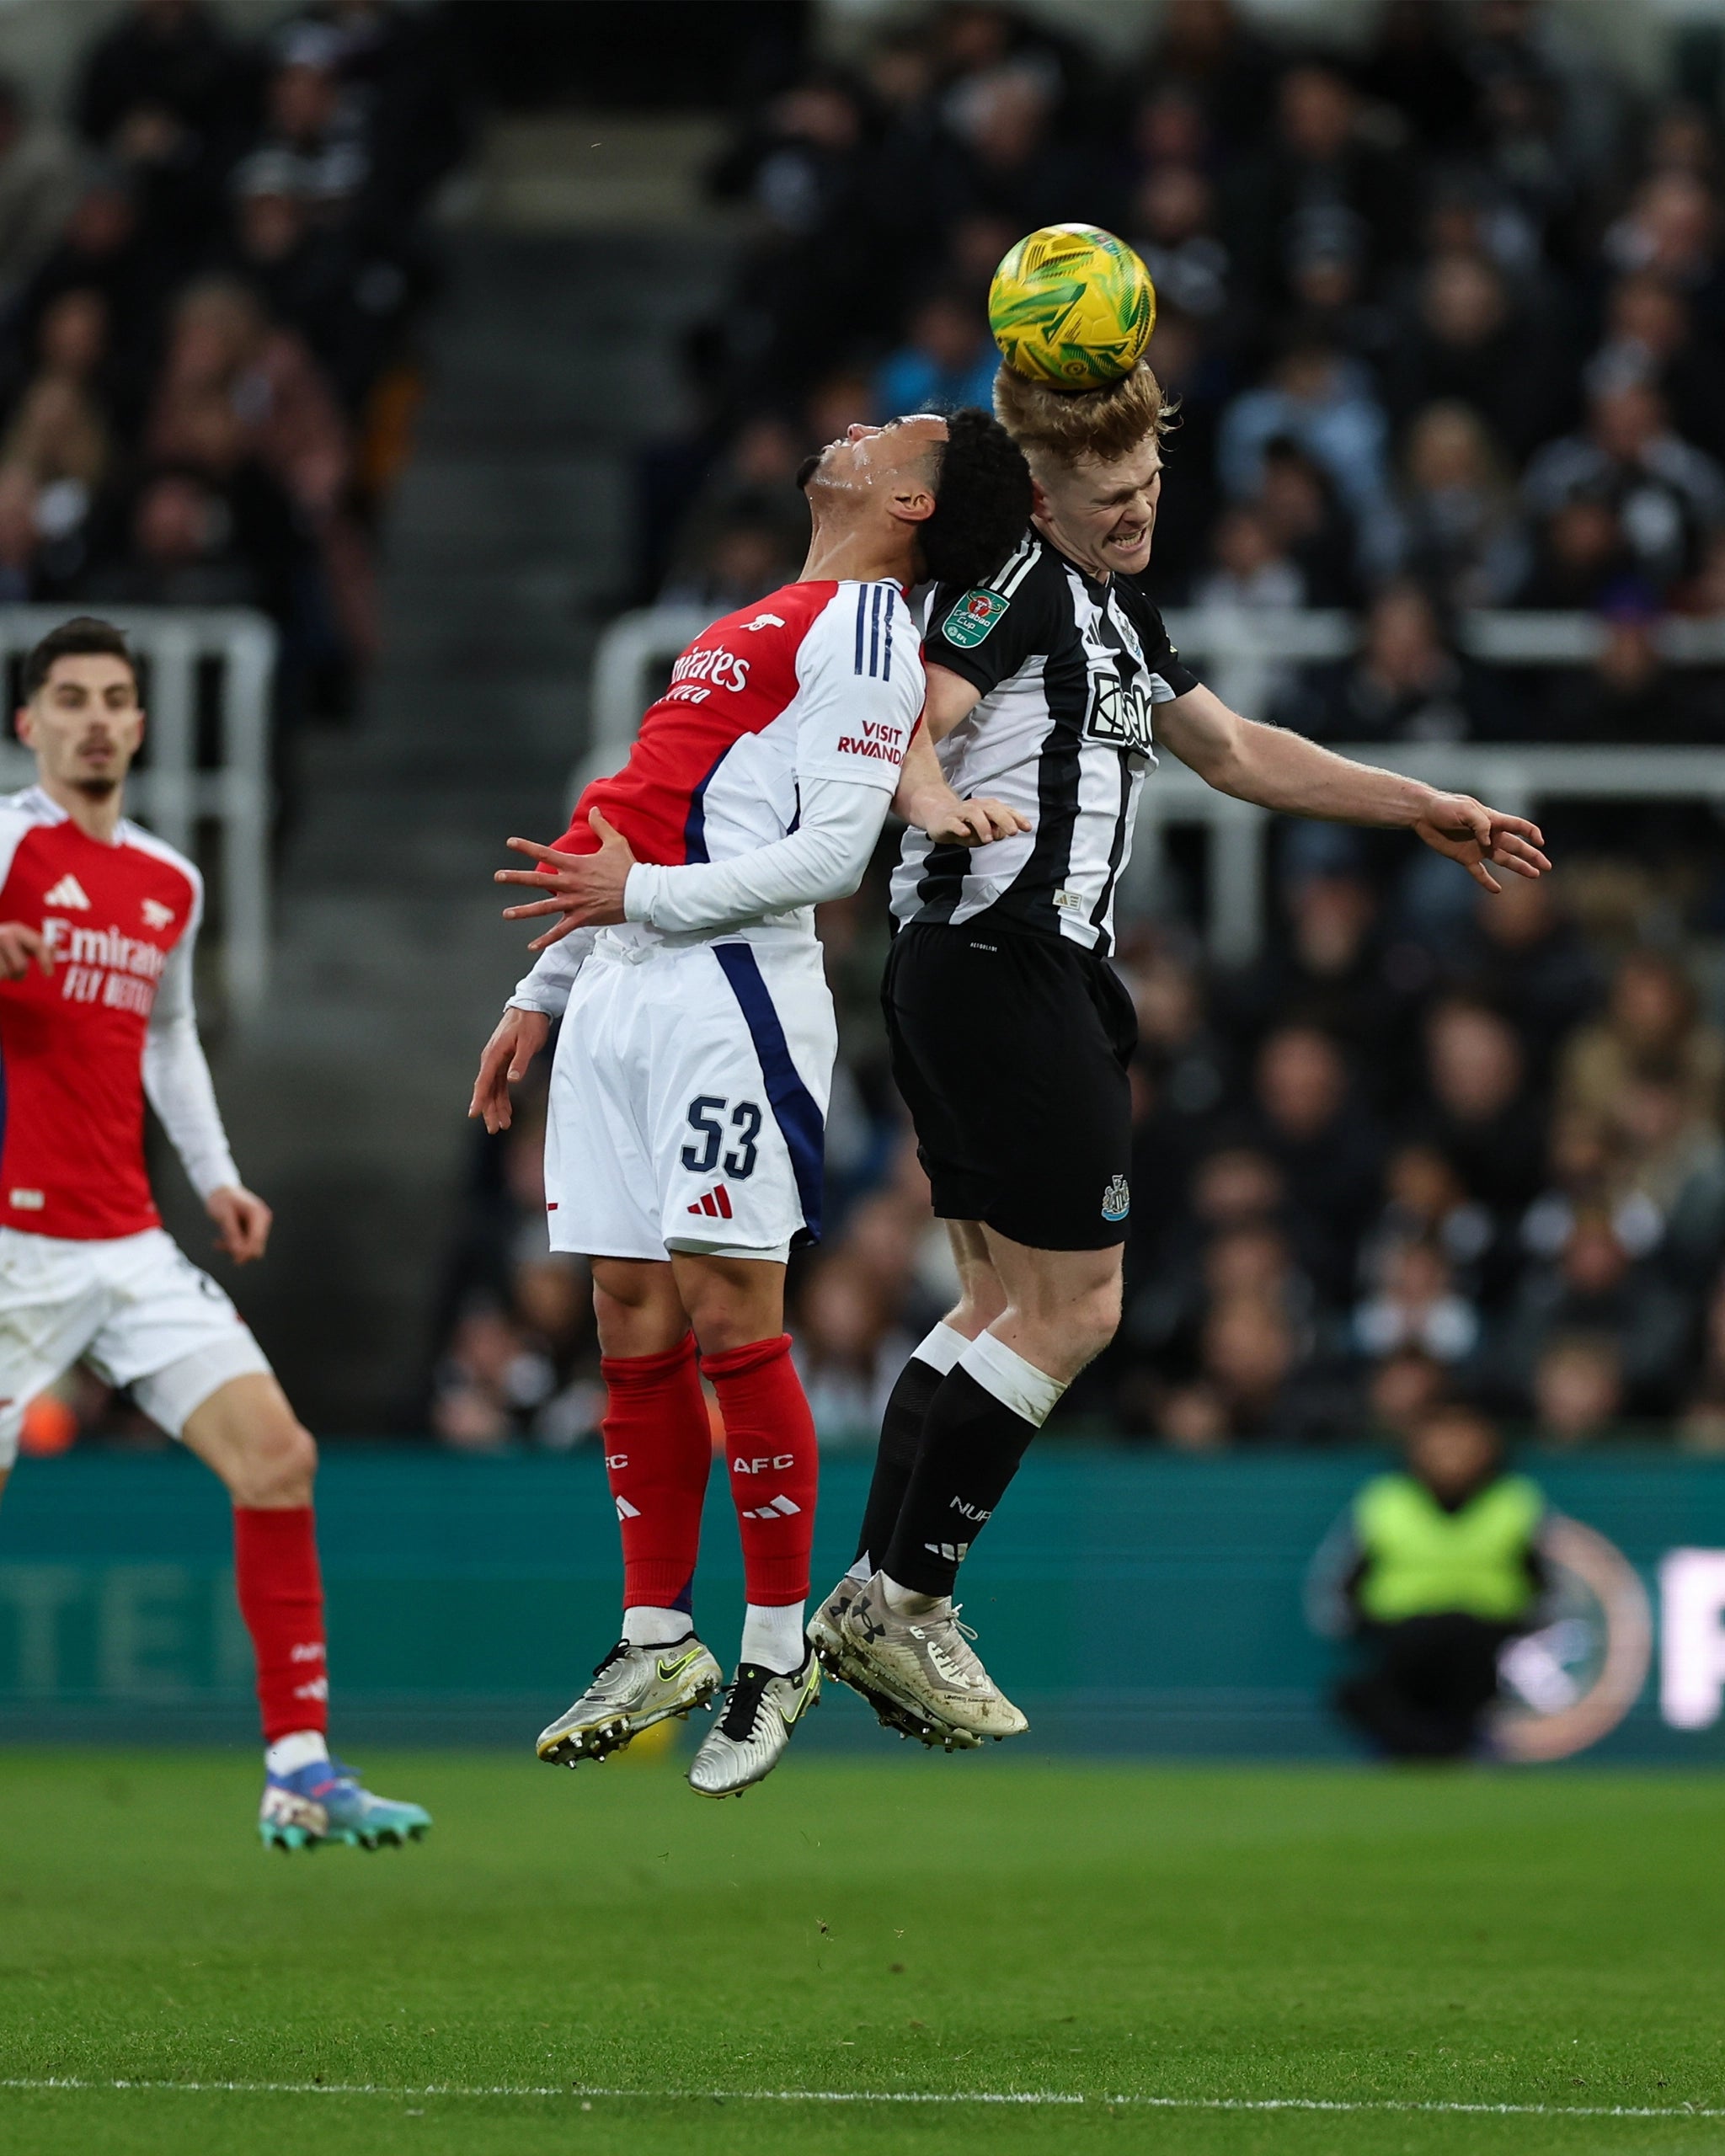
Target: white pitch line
[1046, 2096]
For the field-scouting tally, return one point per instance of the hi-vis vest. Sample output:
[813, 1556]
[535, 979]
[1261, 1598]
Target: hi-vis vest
[1421, 1560]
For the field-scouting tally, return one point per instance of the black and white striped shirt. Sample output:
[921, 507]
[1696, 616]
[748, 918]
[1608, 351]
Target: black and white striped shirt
[1070, 671]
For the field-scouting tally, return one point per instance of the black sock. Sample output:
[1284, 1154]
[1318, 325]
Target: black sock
[972, 1444]
[901, 1441]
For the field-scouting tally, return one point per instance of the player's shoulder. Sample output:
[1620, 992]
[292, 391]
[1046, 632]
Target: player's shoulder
[28, 809]
[158, 853]
[859, 627]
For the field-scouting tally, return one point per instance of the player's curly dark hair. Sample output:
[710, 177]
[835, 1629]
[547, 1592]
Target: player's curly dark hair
[982, 499]
[82, 636]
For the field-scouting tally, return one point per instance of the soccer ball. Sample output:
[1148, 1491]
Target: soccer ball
[1072, 307]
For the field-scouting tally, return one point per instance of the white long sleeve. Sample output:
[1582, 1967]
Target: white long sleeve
[546, 987]
[177, 1081]
[824, 858]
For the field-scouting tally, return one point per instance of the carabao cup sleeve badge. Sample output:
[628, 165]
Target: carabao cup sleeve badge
[972, 618]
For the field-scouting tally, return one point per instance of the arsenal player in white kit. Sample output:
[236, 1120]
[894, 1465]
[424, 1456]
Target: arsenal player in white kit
[688, 1097]
[97, 925]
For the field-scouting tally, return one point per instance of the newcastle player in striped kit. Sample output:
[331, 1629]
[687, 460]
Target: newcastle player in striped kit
[1053, 685]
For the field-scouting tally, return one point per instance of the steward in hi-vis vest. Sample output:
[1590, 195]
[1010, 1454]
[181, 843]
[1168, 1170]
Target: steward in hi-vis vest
[1433, 1569]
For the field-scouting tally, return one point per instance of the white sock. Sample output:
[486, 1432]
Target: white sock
[1015, 1384]
[772, 1636]
[862, 1572]
[942, 1348]
[300, 1747]
[643, 1627]
[905, 1601]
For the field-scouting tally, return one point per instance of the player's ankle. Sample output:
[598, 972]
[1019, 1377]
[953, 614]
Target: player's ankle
[772, 1636]
[300, 1747]
[645, 1626]
[907, 1601]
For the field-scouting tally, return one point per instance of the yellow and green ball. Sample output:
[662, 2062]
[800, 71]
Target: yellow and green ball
[1072, 307]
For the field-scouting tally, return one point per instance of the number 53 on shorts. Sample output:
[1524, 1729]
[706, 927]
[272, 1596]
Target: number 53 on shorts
[715, 1119]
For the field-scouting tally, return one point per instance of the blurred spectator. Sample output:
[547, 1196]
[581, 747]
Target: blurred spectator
[1652, 1022]
[1432, 1571]
[1702, 1425]
[1525, 957]
[752, 487]
[1480, 1113]
[1328, 1152]
[1628, 694]
[1649, 338]
[1309, 524]
[1323, 403]
[1426, 1202]
[1580, 557]
[1173, 228]
[1597, 1289]
[1251, 1385]
[1462, 537]
[1416, 1306]
[948, 360]
[1578, 1388]
[1668, 496]
[1406, 684]
[1466, 343]
[37, 185]
[1402, 1390]
[1251, 570]
[849, 1352]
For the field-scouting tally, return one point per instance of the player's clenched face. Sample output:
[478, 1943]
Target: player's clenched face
[84, 723]
[896, 465]
[1103, 516]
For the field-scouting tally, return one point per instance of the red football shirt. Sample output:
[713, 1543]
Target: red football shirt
[71, 1043]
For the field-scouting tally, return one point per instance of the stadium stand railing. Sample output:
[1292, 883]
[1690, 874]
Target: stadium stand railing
[1239, 654]
[174, 792]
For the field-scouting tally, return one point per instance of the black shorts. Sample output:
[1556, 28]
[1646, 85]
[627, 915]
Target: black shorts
[1010, 1050]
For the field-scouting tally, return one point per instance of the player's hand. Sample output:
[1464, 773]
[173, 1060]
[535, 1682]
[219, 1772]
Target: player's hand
[1467, 831]
[949, 821]
[586, 889]
[519, 1038]
[242, 1222]
[18, 946]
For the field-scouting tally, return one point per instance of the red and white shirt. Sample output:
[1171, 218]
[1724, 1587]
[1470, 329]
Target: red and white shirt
[81, 1047]
[760, 780]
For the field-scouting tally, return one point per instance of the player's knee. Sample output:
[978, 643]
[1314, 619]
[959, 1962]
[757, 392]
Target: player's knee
[277, 1465]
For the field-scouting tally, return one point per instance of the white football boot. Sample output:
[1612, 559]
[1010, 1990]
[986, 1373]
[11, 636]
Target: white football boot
[827, 1636]
[747, 1742]
[633, 1689]
[926, 1667]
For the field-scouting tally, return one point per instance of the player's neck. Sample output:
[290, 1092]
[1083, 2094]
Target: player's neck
[842, 557]
[96, 815]
[1073, 552]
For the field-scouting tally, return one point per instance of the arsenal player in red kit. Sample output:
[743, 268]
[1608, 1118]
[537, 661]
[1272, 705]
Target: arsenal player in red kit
[97, 923]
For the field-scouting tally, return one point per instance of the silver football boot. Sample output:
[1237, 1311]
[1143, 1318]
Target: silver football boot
[633, 1689]
[749, 1740]
[827, 1636]
[926, 1665]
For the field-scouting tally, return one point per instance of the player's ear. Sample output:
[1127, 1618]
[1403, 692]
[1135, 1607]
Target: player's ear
[24, 725]
[913, 503]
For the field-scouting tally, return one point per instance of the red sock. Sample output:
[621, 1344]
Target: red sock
[659, 1454]
[769, 1449]
[281, 1599]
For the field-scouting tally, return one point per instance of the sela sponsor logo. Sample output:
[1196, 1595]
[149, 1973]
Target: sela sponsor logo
[105, 966]
[68, 892]
[780, 1461]
[879, 739]
[156, 915]
[1117, 1199]
[765, 622]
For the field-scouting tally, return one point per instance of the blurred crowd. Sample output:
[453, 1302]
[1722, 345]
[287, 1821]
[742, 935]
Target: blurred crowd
[211, 265]
[1445, 317]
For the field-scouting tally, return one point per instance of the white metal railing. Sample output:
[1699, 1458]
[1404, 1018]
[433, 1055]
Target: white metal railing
[1239, 653]
[171, 792]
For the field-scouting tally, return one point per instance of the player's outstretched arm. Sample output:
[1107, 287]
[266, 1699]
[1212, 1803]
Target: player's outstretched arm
[518, 1038]
[1285, 771]
[925, 799]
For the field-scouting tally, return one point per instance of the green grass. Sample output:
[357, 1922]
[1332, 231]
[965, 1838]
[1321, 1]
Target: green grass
[936, 1926]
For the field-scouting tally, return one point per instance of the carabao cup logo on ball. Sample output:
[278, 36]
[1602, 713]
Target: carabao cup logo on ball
[1072, 307]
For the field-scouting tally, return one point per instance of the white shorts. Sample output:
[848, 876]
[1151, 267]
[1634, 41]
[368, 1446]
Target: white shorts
[135, 1308]
[688, 1101]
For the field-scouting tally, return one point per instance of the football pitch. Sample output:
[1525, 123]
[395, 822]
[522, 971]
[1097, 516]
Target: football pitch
[924, 1954]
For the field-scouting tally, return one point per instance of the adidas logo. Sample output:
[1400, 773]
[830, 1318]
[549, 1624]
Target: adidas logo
[625, 1510]
[156, 915]
[715, 1204]
[780, 1509]
[67, 892]
[954, 1552]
